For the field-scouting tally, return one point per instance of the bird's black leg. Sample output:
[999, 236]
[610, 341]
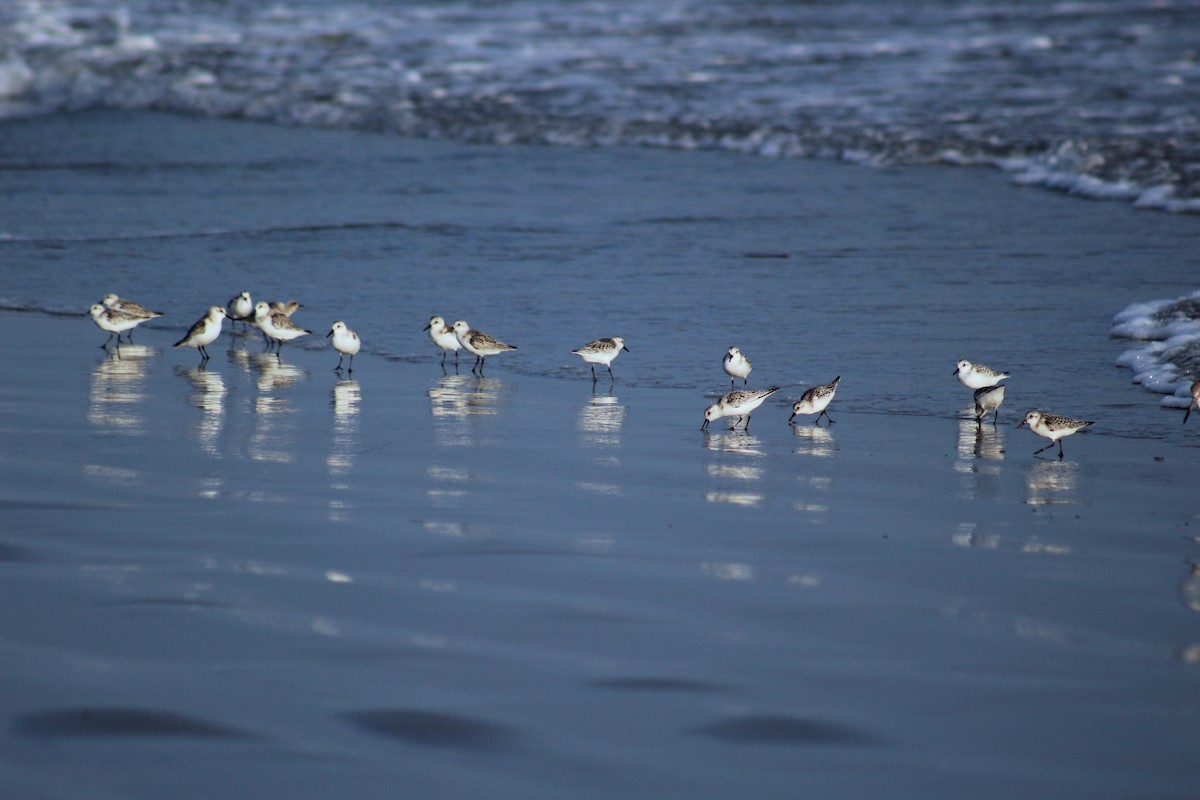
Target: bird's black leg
[350, 366]
[1047, 447]
[593, 374]
[338, 368]
[611, 378]
[1060, 452]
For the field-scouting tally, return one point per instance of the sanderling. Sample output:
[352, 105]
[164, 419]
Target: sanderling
[346, 342]
[286, 308]
[737, 404]
[736, 365]
[240, 309]
[115, 321]
[128, 306]
[988, 399]
[478, 343]
[443, 336]
[1195, 403]
[815, 401]
[204, 332]
[977, 376]
[1052, 427]
[602, 351]
[277, 325]
[112, 302]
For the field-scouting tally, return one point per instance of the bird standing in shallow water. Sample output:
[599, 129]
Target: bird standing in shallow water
[115, 303]
[346, 342]
[736, 365]
[443, 336]
[478, 343]
[1053, 427]
[737, 404]
[276, 326]
[602, 351]
[240, 309]
[204, 332]
[977, 376]
[114, 321]
[816, 400]
[988, 399]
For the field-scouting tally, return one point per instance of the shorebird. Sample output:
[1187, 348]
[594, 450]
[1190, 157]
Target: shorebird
[478, 343]
[443, 336]
[1053, 427]
[114, 303]
[114, 321]
[816, 400]
[736, 365]
[276, 326]
[602, 351]
[240, 309]
[737, 404]
[286, 308]
[346, 342]
[988, 399]
[977, 376]
[204, 332]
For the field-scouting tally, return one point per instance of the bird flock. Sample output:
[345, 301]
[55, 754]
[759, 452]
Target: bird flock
[118, 317]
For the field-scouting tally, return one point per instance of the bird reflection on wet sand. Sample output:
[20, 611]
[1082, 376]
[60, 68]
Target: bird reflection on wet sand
[117, 390]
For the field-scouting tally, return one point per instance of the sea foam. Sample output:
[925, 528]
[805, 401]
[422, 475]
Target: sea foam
[1168, 359]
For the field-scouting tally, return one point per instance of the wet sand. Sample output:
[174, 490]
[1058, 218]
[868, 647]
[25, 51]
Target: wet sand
[262, 580]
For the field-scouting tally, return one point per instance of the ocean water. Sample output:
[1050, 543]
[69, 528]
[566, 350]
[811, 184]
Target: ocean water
[885, 276]
[1097, 98]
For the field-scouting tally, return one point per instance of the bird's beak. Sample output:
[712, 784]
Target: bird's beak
[955, 371]
[329, 334]
[626, 349]
[427, 327]
[704, 427]
[792, 417]
[1021, 424]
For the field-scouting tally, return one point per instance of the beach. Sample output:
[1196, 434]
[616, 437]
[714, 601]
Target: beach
[266, 579]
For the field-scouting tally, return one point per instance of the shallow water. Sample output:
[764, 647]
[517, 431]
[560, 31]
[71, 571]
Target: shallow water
[887, 278]
[262, 579]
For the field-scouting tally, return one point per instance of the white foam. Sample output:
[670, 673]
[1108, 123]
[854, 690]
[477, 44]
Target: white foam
[1170, 341]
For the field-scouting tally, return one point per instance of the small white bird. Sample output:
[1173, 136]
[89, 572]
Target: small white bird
[478, 343]
[204, 332]
[988, 399]
[277, 325]
[443, 336]
[115, 321]
[240, 309]
[346, 342]
[602, 351]
[1052, 427]
[737, 404]
[115, 303]
[128, 306]
[816, 400]
[977, 376]
[736, 365]
[1195, 401]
